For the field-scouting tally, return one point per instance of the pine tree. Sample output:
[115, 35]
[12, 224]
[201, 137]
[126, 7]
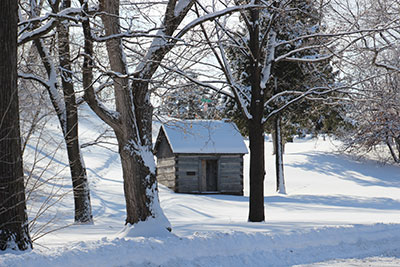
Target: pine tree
[188, 101]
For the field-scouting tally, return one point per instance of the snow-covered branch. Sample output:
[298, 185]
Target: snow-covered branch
[364, 32]
[287, 57]
[214, 15]
[266, 71]
[241, 97]
[302, 95]
[162, 44]
[30, 76]
[128, 34]
[237, 93]
[52, 83]
[66, 14]
[201, 83]
[384, 65]
[109, 116]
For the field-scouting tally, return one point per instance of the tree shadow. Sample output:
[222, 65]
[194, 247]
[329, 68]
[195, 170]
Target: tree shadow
[364, 172]
[381, 203]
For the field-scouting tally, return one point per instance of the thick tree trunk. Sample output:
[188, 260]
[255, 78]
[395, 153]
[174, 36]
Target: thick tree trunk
[137, 165]
[137, 179]
[14, 232]
[278, 144]
[83, 209]
[257, 172]
[256, 128]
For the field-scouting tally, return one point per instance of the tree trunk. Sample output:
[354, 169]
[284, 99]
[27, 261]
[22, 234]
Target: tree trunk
[67, 114]
[83, 209]
[278, 144]
[137, 163]
[256, 128]
[257, 172]
[391, 149]
[397, 143]
[14, 232]
[137, 177]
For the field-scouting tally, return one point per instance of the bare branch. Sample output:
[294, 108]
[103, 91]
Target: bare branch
[66, 14]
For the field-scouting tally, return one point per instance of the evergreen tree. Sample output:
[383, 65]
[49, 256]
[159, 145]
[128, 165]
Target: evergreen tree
[190, 102]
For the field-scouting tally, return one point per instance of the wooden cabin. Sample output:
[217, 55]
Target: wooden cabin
[200, 156]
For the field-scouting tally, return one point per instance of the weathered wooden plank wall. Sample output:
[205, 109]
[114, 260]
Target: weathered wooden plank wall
[183, 172]
[166, 172]
[187, 173]
[231, 174]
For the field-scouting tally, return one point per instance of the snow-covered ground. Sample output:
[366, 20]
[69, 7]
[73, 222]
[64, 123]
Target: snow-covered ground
[338, 212]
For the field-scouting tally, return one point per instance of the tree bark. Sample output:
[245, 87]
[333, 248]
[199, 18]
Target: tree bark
[256, 128]
[139, 175]
[257, 172]
[83, 209]
[14, 231]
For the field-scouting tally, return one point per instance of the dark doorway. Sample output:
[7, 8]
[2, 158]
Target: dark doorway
[212, 173]
[209, 175]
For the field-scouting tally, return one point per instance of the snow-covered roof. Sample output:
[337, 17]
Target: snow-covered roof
[204, 137]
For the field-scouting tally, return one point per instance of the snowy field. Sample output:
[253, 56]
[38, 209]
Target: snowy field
[339, 211]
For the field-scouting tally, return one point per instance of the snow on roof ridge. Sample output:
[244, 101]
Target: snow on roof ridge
[204, 137]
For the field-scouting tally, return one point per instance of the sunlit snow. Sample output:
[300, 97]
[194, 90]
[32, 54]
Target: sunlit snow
[338, 211]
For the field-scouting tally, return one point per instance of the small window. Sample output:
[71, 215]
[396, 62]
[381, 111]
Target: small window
[190, 173]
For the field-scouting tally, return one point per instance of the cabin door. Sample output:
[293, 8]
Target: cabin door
[209, 175]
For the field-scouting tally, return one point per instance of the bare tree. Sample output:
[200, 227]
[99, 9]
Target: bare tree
[65, 104]
[132, 120]
[375, 112]
[374, 106]
[14, 232]
[136, 44]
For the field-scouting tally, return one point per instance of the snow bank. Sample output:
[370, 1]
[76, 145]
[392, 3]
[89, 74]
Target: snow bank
[222, 249]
